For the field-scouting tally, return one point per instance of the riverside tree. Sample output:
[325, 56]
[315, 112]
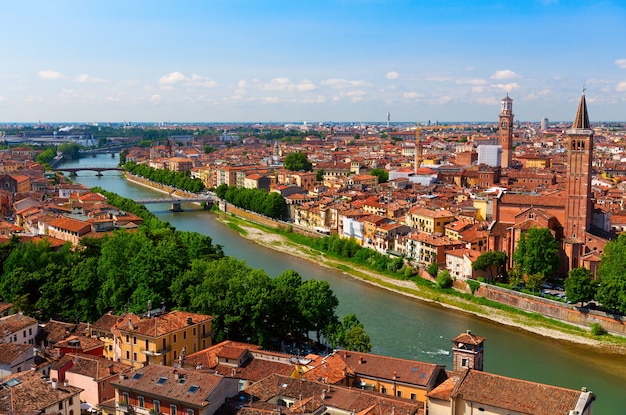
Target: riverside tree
[580, 286]
[537, 252]
[612, 288]
[492, 261]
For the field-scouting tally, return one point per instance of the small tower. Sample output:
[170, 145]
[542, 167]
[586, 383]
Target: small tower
[505, 130]
[468, 350]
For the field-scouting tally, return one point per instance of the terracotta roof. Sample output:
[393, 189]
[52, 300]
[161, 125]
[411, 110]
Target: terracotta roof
[468, 338]
[15, 322]
[516, 395]
[174, 384]
[32, 393]
[160, 325]
[383, 367]
[95, 367]
[10, 351]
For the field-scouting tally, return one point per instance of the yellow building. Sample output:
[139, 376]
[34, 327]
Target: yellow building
[161, 338]
[430, 221]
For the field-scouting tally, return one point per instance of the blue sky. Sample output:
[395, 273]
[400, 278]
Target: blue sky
[315, 61]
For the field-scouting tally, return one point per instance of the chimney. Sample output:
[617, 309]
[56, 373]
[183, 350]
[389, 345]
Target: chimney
[189, 321]
[110, 367]
[54, 383]
[361, 360]
[323, 394]
[176, 375]
[65, 382]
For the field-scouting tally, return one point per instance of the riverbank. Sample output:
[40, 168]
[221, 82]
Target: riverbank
[525, 321]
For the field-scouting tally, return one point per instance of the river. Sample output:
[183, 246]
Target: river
[400, 326]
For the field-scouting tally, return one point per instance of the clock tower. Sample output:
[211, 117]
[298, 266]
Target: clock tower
[505, 130]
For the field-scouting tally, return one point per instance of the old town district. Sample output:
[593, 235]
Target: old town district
[453, 193]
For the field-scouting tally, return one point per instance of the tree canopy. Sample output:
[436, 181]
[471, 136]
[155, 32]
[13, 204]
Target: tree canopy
[382, 174]
[580, 286]
[297, 162]
[612, 288]
[537, 252]
[492, 261]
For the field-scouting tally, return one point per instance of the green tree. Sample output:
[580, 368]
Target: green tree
[580, 286]
[612, 288]
[319, 175]
[492, 261]
[537, 252]
[317, 304]
[444, 280]
[70, 150]
[297, 162]
[382, 174]
[535, 281]
[350, 334]
[432, 269]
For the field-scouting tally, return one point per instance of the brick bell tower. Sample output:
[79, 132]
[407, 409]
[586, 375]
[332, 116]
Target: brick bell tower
[468, 351]
[579, 205]
[505, 130]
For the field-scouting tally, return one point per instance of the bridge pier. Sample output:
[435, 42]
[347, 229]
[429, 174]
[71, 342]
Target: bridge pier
[73, 174]
[176, 207]
[98, 174]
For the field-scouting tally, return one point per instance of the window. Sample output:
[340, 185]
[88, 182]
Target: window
[465, 362]
[125, 398]
[413, 396]
[137, 376]
[194, 331]
[190, 412]
[185, 335]
[174, 338]
[127, 338]
[399, 394]
[172, 409]
[193, 388]
[128, 354]
[383, 390]
[157, 406]
[147, 345]
[71, 412]
[30, 331]
[134, 355]
[134, 339]
[175, 354]
[161, 381]
[24, 334]
[141, 401]
[71, 400]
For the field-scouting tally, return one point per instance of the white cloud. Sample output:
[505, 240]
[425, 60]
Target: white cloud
[172, 78]
[50, 75]
[621, 63]
[437, 78]
[356, 93]
[242, 84]
[338, 83]
[621, 87]
[444, 99]
[392, 75]
[306, 86]
[271, 100]
[155, 98]
[472, 81]
[199, 80]
[277, 84]
[511, 86]
[491, 101]
[410, 95]
[504, 74]
[478, 89]
[84, 78]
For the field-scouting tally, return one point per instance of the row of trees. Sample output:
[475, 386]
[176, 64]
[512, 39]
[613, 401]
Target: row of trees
[183, 270]
[180, 180]
[270, 204]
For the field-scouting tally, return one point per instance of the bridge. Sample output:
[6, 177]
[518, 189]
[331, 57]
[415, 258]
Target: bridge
[176, 201]
[73, 170]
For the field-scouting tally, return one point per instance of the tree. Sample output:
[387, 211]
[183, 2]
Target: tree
[432, 269]
[580, 286]
[444, 280]
[492, 261]
[317, 304]
[351, 335]
[319, 175]
[297, 161]
[612, 288]
[382, 174]
[537, 252]
[535, 281]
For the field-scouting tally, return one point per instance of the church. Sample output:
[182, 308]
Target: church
[569, 213]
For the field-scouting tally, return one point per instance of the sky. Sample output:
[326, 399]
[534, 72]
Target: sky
[314, 61]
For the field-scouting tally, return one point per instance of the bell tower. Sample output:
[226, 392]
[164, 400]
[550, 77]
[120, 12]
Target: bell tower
[579, 206]
[505, 130]
[468, 350]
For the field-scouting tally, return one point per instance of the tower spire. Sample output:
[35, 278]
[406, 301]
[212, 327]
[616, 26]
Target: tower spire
[581, 121]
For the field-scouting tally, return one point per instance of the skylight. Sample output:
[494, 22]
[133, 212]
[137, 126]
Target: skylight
[137, 376]
[161, 381]
[193, 388]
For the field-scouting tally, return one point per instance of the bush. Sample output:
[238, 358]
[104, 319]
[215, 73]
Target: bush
[444, 280]
[598, 330]
[432, 269]
[473, 285]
